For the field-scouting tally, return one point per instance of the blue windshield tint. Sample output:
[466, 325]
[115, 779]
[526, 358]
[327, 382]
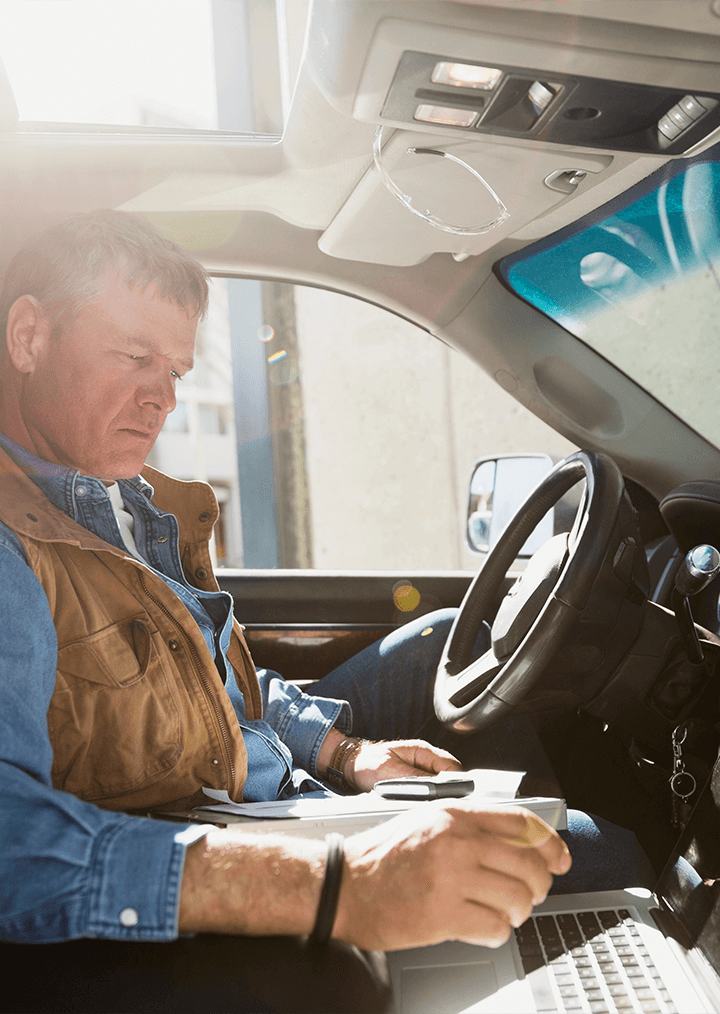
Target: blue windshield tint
[642, 287]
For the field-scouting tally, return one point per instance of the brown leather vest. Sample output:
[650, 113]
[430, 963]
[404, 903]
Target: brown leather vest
[139, 717]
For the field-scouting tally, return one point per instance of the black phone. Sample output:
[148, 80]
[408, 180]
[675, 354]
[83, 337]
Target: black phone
[425, 788]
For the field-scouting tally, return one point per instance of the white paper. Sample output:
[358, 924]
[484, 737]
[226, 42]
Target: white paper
[490, 786]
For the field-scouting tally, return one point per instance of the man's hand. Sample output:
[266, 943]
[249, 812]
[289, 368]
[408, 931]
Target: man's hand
[446, 872]
[386, 759]
[437, 872]
[402, 759]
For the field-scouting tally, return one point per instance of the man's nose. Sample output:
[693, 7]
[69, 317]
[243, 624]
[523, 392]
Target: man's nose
[159, 391]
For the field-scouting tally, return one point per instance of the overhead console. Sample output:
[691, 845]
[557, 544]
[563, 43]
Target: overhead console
[510, 76]
[535, 106]
[542, 104]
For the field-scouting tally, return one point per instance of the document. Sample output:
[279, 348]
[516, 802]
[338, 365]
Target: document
[302, 814]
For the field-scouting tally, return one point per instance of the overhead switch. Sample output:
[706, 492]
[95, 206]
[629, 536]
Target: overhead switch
[694, 107]
[683, 115]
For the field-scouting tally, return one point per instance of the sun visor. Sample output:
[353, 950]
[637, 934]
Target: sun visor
[528, 184]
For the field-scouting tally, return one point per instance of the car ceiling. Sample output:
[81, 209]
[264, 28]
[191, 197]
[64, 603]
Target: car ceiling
[310, 206]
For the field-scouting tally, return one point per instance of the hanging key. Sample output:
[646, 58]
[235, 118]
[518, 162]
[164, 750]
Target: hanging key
[682, 782]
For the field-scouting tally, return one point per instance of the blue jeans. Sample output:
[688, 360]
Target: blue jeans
[390, 689]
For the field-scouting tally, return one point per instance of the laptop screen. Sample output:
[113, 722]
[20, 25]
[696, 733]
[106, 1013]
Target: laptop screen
[690, 883]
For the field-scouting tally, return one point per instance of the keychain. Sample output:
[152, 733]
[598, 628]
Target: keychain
[682, 783]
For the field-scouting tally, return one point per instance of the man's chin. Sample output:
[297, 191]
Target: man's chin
[107, 468]
[123, 462]
[108, 471]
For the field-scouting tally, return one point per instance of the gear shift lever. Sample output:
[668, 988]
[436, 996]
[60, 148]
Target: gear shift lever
[696, 571]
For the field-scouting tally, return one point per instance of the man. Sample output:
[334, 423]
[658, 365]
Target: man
[126, 683]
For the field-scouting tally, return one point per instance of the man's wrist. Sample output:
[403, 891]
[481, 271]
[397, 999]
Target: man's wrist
[342, 763]
[336, 760]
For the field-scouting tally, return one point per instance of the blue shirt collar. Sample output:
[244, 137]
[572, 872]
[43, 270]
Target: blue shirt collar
[60, 484]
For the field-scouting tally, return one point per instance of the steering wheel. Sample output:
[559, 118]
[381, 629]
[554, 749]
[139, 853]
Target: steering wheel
[540, 610]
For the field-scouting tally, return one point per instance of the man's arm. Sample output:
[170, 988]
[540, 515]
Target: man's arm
[67, 868]
[435, 873]
[312, 727]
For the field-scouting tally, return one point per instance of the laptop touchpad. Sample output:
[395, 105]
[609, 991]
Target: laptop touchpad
[446, 989]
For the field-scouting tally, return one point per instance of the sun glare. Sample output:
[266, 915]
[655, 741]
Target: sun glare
[95, 61]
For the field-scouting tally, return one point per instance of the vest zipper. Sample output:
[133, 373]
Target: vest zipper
[201, 673]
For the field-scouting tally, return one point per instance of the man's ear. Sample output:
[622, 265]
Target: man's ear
[28, 333]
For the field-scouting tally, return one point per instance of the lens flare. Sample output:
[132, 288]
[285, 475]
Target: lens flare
[406, 597]
[282, 368]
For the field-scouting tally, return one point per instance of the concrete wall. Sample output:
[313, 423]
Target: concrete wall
[394, 421]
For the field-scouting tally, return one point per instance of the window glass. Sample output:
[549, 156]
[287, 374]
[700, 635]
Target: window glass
[133, 63]
[394, 422]
[198, 438]
[336, 435]
[641, 285]
[178, 421]
[212, 419]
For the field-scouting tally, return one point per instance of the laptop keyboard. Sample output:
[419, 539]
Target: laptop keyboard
[596, 961]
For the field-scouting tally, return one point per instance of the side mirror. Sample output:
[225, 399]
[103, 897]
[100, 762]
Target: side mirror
[499, 486]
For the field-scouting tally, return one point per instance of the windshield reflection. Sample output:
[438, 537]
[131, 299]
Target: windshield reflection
[642, 287]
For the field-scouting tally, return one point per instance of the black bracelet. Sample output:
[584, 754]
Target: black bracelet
[327, 906]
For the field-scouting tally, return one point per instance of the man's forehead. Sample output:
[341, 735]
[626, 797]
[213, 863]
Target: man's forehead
[115, 286]
[140, 311]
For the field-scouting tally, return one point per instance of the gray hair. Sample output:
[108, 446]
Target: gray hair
[62, 266]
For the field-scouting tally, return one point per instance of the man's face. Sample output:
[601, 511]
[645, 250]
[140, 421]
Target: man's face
[100, 391]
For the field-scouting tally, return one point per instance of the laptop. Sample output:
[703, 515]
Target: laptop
[623, 951]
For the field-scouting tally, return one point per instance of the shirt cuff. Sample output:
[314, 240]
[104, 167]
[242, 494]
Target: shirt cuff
[302, 722]
[135, 877]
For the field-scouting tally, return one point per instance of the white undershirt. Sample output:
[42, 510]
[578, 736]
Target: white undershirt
[125, 520]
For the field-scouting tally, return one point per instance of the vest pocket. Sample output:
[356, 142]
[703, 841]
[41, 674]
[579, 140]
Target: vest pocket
[116, 657]
[114, 719]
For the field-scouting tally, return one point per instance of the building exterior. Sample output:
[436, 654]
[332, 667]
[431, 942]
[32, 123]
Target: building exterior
[198, 438]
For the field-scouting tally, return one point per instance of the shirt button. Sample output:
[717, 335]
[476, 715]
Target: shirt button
[80, 490]
[205, 516]
[201, 574]
[162, 538]
[215, 761]
[174, 645]
[129, 917]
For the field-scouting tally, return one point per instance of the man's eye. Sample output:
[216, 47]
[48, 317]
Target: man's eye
[176, 375]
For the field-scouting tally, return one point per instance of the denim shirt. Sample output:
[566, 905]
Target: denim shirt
[68, 868]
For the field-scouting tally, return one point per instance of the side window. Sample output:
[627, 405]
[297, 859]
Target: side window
[335, 434]
[198, 439]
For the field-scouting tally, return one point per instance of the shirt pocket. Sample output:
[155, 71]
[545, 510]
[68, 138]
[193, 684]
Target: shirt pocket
[114, 719]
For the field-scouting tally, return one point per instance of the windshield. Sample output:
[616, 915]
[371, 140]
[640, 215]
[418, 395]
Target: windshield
[641, 286]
